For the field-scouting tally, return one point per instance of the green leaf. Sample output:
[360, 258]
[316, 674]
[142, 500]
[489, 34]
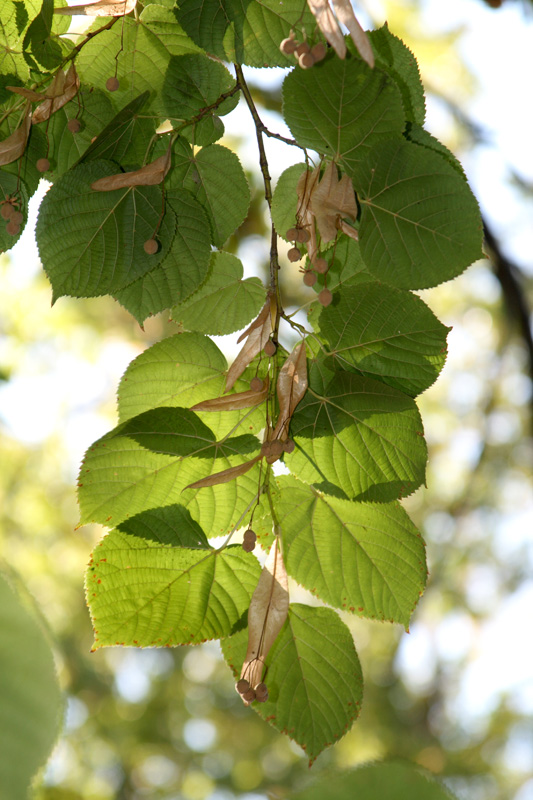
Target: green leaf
[145, 593]
[361, 436]
[181, 371]
[92, 242]
[172, 525]
[394, 57]
[212, 175]
[132, 49]
[346, 266]
[390, 780]
[182, 270]
[245, 32]
[313, 676]
[10, 186]
[38, 41]
[94, 110]
[360, 557]
[285, 200]
[341, 108]
[418, 135]
[420, 222]
[148, 461]
[194, 82]
[385, 333]
[24, 167]
[14, 21]
[163, 24]
[32, 706]
[225, 302]
[125, 138]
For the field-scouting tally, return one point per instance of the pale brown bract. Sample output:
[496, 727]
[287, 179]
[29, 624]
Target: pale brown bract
[328, 22]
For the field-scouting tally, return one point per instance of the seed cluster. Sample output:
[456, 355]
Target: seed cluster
[318, 264]
[259, 693]
[307, 56]
[248, 540]
[13, 217]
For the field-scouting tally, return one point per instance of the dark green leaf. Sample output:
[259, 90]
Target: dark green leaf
[314, 678]
[285, 199]
[182, 270]
[11, 187]
[192, 83]
[342, 108]
[171, 525]
[126, 136]
[385, 333]
[92, 242]
[394, 57]
[247, 32]
[420, 223]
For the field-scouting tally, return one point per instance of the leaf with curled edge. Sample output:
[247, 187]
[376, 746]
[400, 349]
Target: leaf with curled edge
[63, 88]
[291, 387]
[234, 402]
[149, 175]
[268, 611]
[13, 147]
[102, 8]
[225, 476]
[258, 335]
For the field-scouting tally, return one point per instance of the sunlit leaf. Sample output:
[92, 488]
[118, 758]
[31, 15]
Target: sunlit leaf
[367, 558]
[361, 436]
[146, 593]
[314, 678]
[225, 302]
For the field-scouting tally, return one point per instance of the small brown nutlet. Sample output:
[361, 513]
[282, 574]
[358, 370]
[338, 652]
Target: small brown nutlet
[288, 446]
[318, 51]
[17, 217]
[7, 210]
[294, 254]
[112, 84]
[321, 265]
[248, 696]
[242, 686]
[306, 60]
[292, 234]
[150, 247]
[248, 546]
[325, 297]
[288, 46]
[270, 348]
[272, 449]
[12, 228]
[43, 165]
[250, 534]
[256, 384]
[302, 49]
[261, 693]
[303, 236]
[74, 125]
[310, 278]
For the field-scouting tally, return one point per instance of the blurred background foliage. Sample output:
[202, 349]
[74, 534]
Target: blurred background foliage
[456, 694]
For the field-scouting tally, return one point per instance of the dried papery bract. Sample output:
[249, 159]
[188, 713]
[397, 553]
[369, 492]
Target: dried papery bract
[332, 199]
[13, 147]
[268, 611]
[233, 402]
[258, 334]
[102, 8]
[329, 25]
[225, 475]
[63, 88]
[291, 387]
[149, 175]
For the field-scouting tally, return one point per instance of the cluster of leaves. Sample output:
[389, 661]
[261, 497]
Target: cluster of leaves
[143, 199]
